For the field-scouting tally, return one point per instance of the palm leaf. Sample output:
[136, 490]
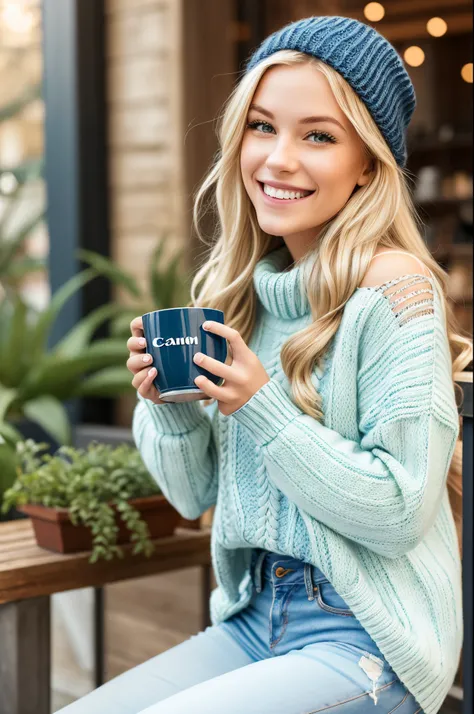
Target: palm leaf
[154, 274]
[106, 267]
[6, 314]
[13, 338]
[79, 337]
[12, 108]
[8, 464]
[120, 326]
[7, 397]
[29, 170]
[57, 375]
[25, 266]
[40, 332]
[51, 415]
[112, 381]
[9, 433]
[9, 247]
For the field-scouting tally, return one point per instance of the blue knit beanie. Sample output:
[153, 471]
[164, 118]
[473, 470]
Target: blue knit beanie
[369, 63]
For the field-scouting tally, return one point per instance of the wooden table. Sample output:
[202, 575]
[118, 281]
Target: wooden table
[29, 575]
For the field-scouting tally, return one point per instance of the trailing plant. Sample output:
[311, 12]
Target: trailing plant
[93, 484]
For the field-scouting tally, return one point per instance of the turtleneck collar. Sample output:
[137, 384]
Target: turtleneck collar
[281, 291]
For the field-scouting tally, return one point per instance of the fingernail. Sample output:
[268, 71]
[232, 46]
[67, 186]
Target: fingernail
[151, 371]
[146, 358]
[142, 341]
[206, 325]
[198, 357]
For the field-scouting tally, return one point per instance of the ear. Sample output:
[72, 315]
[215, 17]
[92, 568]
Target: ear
[365, 176]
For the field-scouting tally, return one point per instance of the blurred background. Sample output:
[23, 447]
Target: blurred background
[107, 125]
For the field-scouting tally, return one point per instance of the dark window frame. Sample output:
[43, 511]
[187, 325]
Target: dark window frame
[74, 90]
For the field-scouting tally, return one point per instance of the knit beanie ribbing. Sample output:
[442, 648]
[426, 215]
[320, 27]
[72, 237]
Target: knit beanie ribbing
[368, 62]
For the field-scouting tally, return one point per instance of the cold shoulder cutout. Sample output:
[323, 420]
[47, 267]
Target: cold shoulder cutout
[407, 303]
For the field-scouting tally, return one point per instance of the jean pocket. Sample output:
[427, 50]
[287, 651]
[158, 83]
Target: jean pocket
[329, 600]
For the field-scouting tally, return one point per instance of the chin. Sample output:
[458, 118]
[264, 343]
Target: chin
[276, 228]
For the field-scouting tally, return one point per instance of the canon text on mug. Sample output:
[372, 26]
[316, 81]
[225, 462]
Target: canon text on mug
[161, 342]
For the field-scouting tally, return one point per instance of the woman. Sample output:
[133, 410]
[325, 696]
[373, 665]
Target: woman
[326, 450]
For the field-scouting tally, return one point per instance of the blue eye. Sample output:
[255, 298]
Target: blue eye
[324, 134]
[254, 124]
[330, 138]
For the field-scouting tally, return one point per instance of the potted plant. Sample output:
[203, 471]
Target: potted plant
[94, 498]
[36, 380]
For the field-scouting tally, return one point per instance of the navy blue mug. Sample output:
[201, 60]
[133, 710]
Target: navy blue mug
[173, 336]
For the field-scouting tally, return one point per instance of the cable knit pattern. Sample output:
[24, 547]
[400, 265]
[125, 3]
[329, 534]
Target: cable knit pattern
[362, 496]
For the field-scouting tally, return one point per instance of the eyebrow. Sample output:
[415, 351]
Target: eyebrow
[306, 120]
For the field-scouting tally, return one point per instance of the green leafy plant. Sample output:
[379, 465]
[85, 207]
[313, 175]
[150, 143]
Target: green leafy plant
[14, 265]
[7, 464]
[167, 286]
[35, 380]
[13, 108]
[93, 484]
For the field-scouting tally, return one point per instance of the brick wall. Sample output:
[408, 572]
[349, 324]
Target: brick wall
[170, 66]
[144, 95]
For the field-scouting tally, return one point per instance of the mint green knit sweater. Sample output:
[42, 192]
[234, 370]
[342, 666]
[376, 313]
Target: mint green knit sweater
[362, 496]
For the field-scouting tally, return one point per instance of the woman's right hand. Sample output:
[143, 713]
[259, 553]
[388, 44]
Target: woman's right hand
[140, 363]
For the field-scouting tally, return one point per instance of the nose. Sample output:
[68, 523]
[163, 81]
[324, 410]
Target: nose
[283, 157]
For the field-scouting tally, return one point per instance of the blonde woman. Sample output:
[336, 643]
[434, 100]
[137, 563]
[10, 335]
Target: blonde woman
[326, 450]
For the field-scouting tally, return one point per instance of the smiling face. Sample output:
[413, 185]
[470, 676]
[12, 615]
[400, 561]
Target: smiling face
[323, 155]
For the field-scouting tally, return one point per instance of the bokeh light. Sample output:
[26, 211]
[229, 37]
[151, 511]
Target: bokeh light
[414, 56]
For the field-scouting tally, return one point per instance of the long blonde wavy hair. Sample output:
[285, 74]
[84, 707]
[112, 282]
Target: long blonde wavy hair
[379, 214]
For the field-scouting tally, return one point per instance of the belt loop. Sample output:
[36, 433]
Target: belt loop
[308, 580]
[258, 571]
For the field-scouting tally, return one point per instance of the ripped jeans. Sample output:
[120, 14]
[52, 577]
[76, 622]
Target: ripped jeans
[295, 649]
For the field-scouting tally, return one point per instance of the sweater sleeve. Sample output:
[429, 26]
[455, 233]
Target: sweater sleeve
[383, 489]
[177, 445]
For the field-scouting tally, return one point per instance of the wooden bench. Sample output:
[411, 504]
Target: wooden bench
[29, 575]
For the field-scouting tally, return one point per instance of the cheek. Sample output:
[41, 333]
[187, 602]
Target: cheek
[248, 157]
[335, 174]
[250, 162]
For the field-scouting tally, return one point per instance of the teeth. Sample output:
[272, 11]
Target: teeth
[279, 193]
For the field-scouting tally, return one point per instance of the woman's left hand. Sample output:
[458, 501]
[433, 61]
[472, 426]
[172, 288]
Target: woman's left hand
[243, 378]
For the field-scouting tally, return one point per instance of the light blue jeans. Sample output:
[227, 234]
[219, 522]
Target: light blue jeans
[295, 649]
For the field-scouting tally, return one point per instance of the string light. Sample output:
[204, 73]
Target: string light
[414, 56]
[374, 11]
[437, 27]
[466, 72]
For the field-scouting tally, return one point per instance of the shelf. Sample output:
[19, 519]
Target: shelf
[461, 142]
[441, 201]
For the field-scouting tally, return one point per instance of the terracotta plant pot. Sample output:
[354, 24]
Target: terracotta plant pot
[55, 531]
